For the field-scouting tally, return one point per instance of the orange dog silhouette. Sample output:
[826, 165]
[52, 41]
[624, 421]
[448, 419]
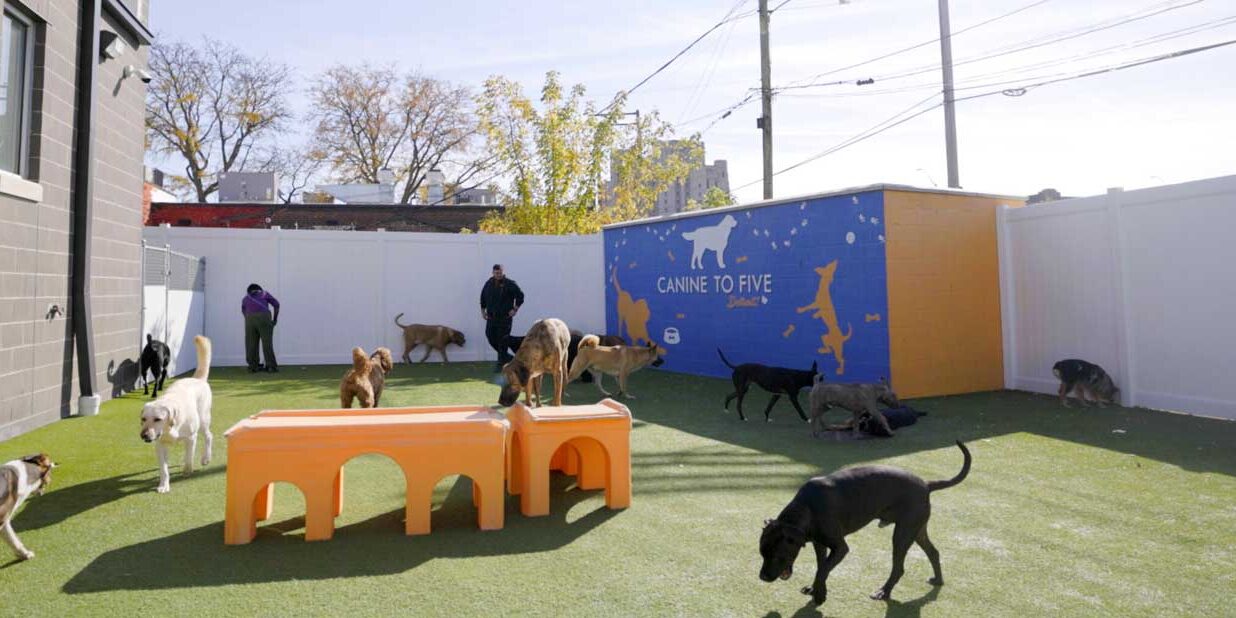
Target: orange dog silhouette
[633, 314]
[832, 342]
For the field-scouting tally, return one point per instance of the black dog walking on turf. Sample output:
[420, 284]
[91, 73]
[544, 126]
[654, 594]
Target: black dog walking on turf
[828, 508]
[776, 380]
[155, 358]
[501, 299]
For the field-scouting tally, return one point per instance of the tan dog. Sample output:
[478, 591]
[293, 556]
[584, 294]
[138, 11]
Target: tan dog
[859, 399]
[366, 378]
[543, 350]
[20, 479]
[832, 342]
[433, 337]
[619, 360]
[180, 415]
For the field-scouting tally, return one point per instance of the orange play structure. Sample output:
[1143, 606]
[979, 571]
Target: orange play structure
[592, 442]
[308, 449]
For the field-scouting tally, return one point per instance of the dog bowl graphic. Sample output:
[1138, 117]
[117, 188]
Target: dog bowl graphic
[670, 336]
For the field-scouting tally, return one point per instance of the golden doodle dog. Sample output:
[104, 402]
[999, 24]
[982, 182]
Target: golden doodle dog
[20, 479]
[179, 415]
[364, 381]
[618, 360]
[431, 336]
[543, 350]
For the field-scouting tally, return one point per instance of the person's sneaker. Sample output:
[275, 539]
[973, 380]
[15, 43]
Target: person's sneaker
[253, 370]
[272, 370]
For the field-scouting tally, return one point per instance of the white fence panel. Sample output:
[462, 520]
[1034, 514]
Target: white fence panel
[340, 289]
[173, 304]
[1139, 282]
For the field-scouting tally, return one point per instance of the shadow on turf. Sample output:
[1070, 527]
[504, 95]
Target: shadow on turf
[57, 506]
[893, 608]
[1191, 442]
[377, 546]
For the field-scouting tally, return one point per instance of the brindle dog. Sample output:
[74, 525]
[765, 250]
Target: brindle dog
[859, 399]
[543, 350]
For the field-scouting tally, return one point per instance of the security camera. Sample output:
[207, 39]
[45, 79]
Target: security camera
[141, 74]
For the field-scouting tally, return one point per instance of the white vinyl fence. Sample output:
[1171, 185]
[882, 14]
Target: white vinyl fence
[173, 303]
[1141, 282]
[340, 289]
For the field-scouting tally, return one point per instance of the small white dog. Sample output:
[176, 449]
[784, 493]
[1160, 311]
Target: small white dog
[20, 479]
[715, 237]
[182, 411]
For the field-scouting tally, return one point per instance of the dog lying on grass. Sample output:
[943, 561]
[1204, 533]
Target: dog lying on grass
[776, 380]
[365, 380]
[1086, 379]
[859, 399]
[827, 509]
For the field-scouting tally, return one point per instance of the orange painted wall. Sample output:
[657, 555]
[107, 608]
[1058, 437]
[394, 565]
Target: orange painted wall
[943, 293]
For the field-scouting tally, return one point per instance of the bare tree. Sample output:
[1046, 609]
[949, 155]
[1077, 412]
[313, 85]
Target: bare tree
[216, 108]
[295, 169]
[369, 119]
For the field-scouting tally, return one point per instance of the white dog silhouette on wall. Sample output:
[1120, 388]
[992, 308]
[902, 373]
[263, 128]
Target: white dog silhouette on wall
[714, 237]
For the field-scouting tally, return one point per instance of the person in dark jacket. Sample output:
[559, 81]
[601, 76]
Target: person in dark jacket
[501, 299]
[259, 327]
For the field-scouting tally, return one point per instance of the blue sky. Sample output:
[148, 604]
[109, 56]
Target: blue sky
[1165, 122]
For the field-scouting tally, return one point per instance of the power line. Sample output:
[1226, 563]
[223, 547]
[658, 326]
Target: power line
[1035, 43]
[897, 119]
[675, 57]
[932, 41]
[706, 78]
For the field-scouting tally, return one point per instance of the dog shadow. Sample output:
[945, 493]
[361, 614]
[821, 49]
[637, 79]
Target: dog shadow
[373, 547]
[58, 505]
[123, 378]
[894, 609]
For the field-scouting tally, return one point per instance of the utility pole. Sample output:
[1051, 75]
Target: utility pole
[765, 121]
[950, 117]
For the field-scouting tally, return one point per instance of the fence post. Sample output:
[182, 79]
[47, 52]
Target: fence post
[1008, 295]
[141, 335]
[1120, 300]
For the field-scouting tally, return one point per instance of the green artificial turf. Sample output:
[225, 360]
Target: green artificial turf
[1117, 512]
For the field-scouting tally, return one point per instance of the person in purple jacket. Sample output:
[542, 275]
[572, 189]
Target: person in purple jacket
[259, 326]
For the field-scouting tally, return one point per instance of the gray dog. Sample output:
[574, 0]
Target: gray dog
[859, 399]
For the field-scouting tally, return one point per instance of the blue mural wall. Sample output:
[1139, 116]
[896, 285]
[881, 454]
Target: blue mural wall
[781, 285]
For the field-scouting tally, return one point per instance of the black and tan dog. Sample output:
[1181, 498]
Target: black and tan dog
[776, 380]
[512, 343]
[432, 336]
[543, 350]
[1086, 379]
[862, 400]
[826, 509]
[366, 379]
[620, 361]
[155, 358]
[20, 479]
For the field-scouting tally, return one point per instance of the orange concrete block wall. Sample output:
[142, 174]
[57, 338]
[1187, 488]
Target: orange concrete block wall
[943, 293]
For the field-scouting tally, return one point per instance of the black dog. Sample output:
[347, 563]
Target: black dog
[155, 357]
[1087, 380]
[828, 508]
[896, 417]
[776, 380]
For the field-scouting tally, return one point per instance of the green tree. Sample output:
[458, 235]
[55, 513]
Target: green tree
[557, 154]
[714, 197]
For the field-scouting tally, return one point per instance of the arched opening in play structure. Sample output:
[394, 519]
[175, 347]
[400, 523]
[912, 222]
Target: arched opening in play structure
[374, 492]
[585, 460]
[453, 502]
[287, 514]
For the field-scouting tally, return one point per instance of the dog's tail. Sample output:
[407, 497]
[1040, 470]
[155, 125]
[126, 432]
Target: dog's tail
[359, 360]
[723, 359]
[149, 338]
[961, 476]
[397, 321]
[203, 357]
[589, 341]
[383, 356]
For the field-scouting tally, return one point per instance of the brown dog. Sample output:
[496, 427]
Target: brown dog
[433, 337]
[859, 399]
[543, 350]
[619, 360]
[366, 378]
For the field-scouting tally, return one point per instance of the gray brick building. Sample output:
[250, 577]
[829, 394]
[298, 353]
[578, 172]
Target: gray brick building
[71, 146]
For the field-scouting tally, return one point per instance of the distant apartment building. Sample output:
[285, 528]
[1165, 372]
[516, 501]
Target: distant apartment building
[699, 180]
[72, 129]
